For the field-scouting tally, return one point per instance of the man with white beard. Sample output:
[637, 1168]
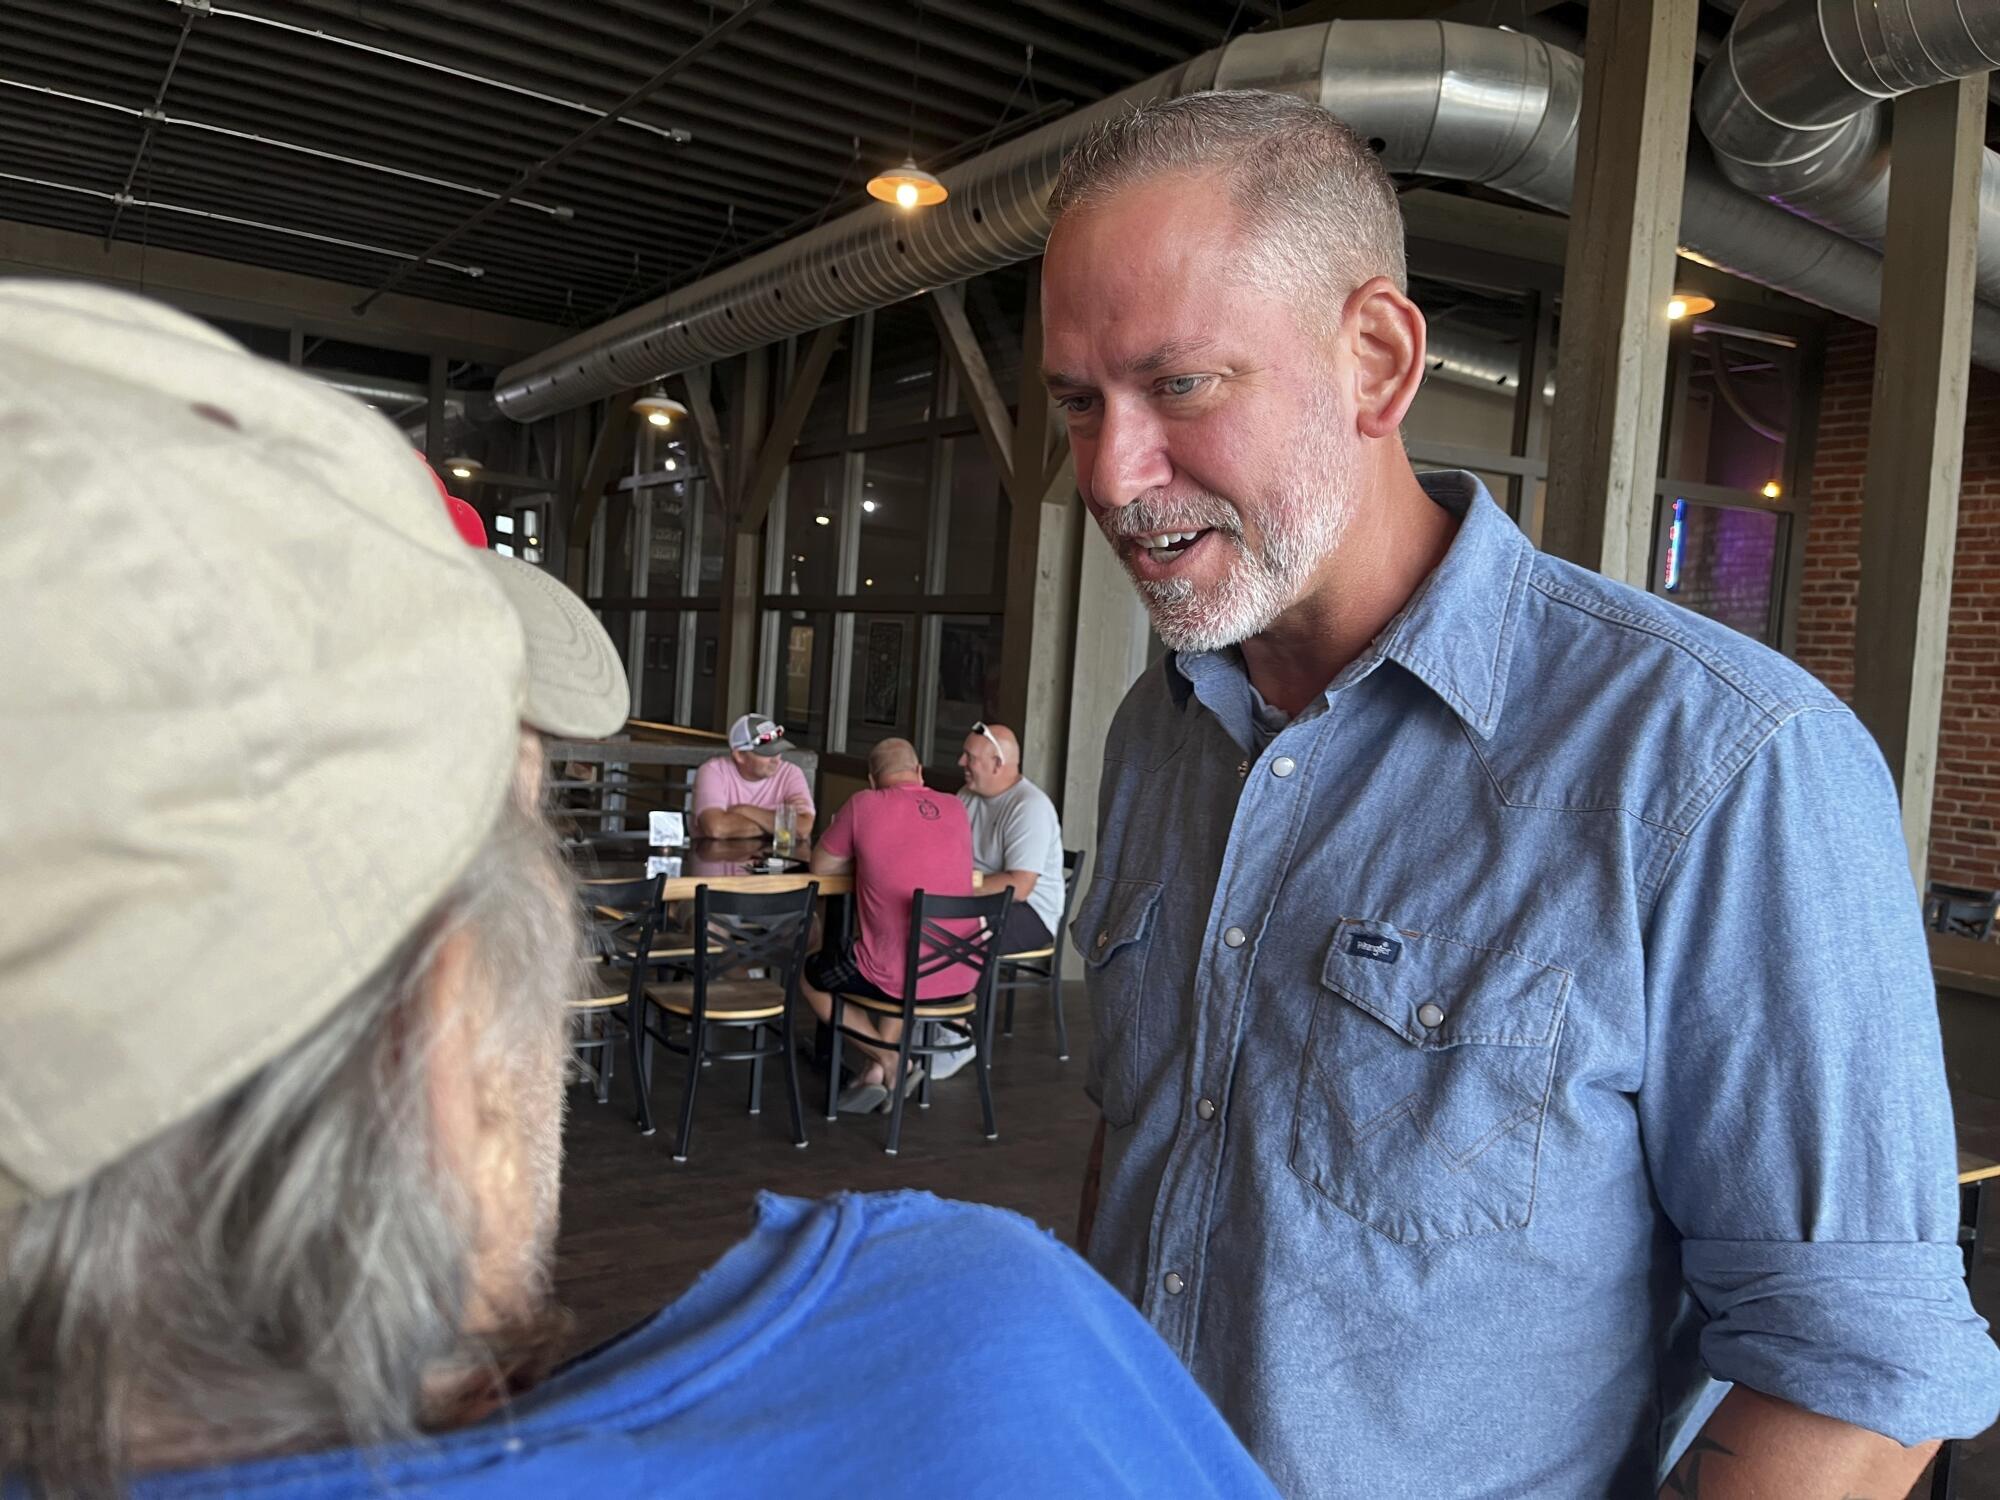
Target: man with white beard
[1513, 1020]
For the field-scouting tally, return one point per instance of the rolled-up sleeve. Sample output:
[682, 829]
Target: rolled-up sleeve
[1796, 1119]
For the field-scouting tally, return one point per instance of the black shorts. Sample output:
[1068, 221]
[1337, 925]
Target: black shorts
[1024, 932]
[834, 971]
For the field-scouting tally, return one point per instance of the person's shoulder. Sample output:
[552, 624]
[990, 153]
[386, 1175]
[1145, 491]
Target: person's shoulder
[1616, 699]
[1035, 805]
[1706, 656]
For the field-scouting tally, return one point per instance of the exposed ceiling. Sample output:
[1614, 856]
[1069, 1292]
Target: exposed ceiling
[462, 95]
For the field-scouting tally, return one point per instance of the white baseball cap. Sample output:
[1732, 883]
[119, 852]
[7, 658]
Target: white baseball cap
[259, 707]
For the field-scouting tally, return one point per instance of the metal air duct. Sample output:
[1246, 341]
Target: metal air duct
[1793, 104]
[1436, 98]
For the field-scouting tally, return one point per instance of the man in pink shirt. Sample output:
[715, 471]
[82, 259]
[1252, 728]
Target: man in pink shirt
[898, 837]
[737, 796]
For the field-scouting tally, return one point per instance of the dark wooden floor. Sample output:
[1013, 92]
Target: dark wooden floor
[638, 1229]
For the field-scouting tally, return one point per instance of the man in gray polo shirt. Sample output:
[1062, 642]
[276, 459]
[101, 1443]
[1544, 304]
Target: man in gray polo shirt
[1016, 836]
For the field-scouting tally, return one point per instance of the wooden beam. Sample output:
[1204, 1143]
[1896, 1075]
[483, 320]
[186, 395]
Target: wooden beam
[1611, 382]
[434, 414]
[1032, 410]
[980, 391]
[606, 453]
[701, 406]
[319, 308]
[776, 450]
[736, 624]
[1916, 436]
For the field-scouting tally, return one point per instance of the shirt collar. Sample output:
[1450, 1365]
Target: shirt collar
[1456, 635]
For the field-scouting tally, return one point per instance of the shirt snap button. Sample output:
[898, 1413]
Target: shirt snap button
[1235, 937]
[1283, 766]
[1173, 1283]
[1205, 1108]
[1430, 1015]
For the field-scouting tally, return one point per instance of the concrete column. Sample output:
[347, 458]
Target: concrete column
[1631, 159]
[1916, 437]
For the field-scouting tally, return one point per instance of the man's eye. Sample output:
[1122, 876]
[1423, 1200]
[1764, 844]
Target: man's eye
[1076, 406]
[1183, 385]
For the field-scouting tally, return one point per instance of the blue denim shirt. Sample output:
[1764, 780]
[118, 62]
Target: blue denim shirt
[1534, 1030]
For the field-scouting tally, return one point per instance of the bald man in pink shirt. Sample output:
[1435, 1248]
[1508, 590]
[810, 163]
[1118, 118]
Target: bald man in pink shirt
[898, 837]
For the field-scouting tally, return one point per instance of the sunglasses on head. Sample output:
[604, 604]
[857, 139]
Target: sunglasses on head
[998, 749]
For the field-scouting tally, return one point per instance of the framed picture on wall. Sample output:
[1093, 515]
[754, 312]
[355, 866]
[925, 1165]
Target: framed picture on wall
[882, 692]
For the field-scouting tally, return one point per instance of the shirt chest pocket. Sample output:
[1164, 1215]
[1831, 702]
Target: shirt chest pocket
[1113, 931]
[1426, 1080]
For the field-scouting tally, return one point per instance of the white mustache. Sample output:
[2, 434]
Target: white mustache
[1144, 518]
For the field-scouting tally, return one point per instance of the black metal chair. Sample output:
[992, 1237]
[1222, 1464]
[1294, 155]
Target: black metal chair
[744, 962]
[1042, 968]
[622, 919]
[1963, 911]
[934, 947]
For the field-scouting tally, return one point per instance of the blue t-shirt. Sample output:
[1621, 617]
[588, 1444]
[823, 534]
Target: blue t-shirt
[884, 1343]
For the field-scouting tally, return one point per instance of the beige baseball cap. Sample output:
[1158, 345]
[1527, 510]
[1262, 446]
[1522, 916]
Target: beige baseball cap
[259, 706]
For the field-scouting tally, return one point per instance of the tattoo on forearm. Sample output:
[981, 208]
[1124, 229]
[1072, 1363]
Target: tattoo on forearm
[1686, 1477]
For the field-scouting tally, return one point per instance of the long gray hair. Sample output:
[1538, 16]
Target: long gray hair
[290, 1268]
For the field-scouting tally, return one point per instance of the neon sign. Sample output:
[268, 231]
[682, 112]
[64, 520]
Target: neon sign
[1676, 540]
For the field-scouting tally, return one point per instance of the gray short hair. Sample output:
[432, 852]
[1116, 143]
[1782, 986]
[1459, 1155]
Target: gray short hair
[1316, 204]
[283, 1270]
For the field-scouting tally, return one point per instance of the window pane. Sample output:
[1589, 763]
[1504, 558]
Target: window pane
[812, 517]
[711, 541]
[881, 693]
[903, 377]
[1720, 561]
[618, 625]
[895, 501]
[1730, 425]
[701, 713]
[504, 524]
[805, 646]
[657, 697]
[664, 556]
[968, 685]
[976, 543]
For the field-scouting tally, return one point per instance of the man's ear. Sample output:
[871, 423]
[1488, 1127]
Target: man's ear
[1383, 333]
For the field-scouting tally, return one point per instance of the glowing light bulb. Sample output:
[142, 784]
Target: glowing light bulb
[822, 520]
[869, 506]
[659, 419]
[1677, 308]
[1772, 489]
[906, 195]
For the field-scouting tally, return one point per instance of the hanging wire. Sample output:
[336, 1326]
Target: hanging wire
[916, 66]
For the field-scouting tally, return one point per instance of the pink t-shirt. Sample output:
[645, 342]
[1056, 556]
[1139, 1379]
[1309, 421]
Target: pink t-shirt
[903, 839]
[717, 783]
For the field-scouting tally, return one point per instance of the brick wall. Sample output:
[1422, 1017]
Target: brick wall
[1965, 823]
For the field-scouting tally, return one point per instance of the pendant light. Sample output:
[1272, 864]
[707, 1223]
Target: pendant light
[907, 186]
[658, 408]
[910, 186]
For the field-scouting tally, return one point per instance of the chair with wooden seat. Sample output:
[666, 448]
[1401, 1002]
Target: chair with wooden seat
[743, 976]
[1042, 968]
[622, 918]
[947, 1024]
